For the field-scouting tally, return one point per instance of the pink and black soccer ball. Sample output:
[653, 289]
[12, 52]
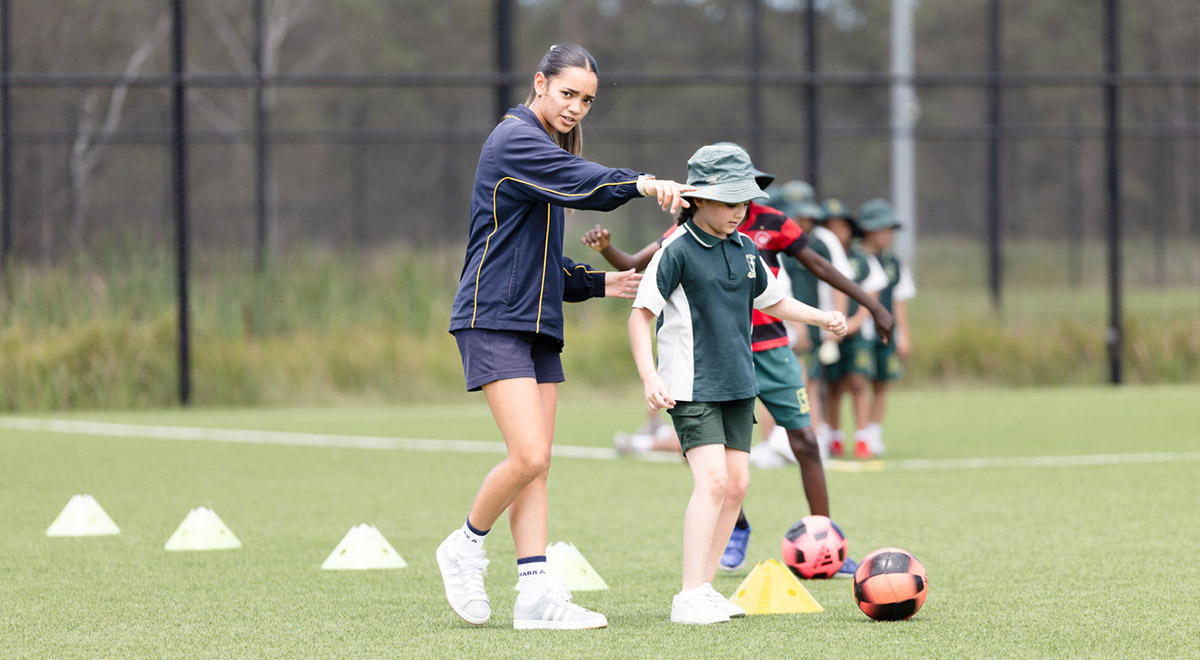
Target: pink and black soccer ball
[890, 585]
[814, 548]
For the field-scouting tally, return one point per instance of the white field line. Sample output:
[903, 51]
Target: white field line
[245, 436]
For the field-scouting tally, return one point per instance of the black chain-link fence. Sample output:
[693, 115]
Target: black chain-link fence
[358, 129]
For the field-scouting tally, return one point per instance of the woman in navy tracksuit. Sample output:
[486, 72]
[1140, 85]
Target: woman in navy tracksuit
[507, 319]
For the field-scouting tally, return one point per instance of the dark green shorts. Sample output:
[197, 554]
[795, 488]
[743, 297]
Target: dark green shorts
[780, 381]
[729, 423]
[858, 357]
[887, 363]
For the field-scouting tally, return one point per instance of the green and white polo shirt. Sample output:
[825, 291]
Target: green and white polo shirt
[703, 289]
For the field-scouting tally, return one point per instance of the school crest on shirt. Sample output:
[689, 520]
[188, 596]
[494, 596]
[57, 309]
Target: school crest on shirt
[750, 264]
[761, 238]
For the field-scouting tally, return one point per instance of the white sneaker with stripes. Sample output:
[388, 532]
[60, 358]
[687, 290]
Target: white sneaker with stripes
[552, 609]
[726, 607]
[463, 579]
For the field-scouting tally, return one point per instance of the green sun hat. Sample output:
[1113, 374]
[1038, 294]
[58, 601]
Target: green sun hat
[763, 179]
[835, 209]
[723, 173]
[877, 215]
[799, 200]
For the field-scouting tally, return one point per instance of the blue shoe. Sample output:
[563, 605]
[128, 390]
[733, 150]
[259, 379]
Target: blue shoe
[734, 557]
[848, 568]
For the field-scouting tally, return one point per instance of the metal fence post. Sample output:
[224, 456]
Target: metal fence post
[504, 56]
[179, 141]
[5, 135]
[995, 267]
[260, 144]
[1112, 136]
[756, 106]
[810, 95]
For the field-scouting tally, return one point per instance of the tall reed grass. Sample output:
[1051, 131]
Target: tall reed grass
[329, 327]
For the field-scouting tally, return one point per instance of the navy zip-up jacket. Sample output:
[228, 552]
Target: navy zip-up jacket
[515, 276]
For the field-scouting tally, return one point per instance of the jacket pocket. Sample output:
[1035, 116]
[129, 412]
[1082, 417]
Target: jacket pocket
[514, 279]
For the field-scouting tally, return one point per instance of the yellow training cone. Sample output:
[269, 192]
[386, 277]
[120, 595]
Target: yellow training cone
[203, 530]
[565, 561]
[772, 589]
[83, 516]
[363, 548]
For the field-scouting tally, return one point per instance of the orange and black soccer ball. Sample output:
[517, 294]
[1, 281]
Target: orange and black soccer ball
[890, 585]
[814, 547]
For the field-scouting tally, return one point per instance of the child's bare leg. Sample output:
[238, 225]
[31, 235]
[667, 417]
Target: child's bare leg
[709, 482]
[737, 469]
[879, 403]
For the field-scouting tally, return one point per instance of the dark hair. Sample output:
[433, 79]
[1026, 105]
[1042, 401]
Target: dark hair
[686, 214]
[559, 57]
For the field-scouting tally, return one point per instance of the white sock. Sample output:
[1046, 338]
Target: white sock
[468, 542]
[643, 442]
[876, 431]
[837, 435]
[532, 577]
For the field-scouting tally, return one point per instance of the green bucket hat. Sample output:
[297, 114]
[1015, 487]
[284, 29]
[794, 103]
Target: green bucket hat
[722, 173]
[799, 200]
[835, 209]
[763, 179]
[877, 215]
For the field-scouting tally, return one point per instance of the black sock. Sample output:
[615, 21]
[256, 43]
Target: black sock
[741, 523]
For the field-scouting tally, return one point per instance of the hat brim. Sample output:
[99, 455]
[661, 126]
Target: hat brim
[808, 210]
[890, 225]
[730, 192]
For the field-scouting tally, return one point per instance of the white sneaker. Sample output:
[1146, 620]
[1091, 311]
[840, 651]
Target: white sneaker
[778, 440]
[875, 442]
[727, 607]
[764, 457]
[553, 610]
[696, 606]
[463, 578]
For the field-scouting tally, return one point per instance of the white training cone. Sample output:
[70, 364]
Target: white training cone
[565, 561]
[362, 548]
[202, 530]
[83, 517]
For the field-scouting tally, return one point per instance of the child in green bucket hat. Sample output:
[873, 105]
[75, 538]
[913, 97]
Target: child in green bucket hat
[879, 222]
[703, 283]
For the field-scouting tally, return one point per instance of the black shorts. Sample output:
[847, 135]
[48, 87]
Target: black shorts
[492, 355]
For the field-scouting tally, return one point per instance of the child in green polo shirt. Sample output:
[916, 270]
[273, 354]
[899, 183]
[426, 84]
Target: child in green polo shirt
[704, 282]
[878, 223]
[855, 362]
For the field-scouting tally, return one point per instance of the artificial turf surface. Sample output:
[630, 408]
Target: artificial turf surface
[1059, 561]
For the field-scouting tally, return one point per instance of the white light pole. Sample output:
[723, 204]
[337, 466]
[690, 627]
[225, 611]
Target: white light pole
[905, 110]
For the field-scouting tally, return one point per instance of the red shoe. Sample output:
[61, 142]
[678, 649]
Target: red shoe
[862, 450]
[836, 448]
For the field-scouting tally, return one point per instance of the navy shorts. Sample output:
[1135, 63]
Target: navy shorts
[492, 355]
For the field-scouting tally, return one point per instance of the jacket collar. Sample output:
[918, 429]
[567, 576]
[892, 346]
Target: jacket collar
[708, 240]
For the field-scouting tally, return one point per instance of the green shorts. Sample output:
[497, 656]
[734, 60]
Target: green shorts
[887, 363]
[858, 357]
[729, 423]
[780, 381]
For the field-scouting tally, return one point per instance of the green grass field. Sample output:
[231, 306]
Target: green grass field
[1068, 560]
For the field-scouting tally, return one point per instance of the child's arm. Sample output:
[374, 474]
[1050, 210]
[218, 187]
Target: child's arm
[825, 271]
[854, 323]
[641, 322]
[600, 240]
[794, 310]
[903, 343]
